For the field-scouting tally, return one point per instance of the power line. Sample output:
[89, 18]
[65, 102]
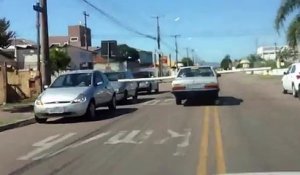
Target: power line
[116, 21]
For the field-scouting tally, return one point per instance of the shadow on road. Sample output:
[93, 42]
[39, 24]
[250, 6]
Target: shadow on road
[102, 114]
[131, 102]
[153, 93]
[222, 101]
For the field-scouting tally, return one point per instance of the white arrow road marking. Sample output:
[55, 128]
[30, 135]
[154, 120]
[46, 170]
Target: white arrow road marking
[127, 139]
[96, 137]
[167, 101]
[151, 102]
[181, 147]
[45, 144]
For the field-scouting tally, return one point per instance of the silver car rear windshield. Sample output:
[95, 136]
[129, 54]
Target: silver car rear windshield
[115, 76]
[72, 80]
[196, 72]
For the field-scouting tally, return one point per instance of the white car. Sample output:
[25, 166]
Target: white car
[194, 82]
[291, 80]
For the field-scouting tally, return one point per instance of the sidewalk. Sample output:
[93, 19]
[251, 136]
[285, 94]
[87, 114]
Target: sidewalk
[12, 116]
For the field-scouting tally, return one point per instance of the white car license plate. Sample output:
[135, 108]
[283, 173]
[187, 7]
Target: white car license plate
[56, 110]
[196, 86]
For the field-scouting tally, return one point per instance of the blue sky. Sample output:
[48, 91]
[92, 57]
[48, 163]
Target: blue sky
[213, 28]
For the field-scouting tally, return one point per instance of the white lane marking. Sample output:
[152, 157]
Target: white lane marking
[96, 137]
[181, 147]
[127, 139]
[144, 136]
[45, 144]
[151, 102]
[167, 101]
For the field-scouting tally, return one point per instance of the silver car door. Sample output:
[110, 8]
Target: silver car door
[108, 89]
[99, 89]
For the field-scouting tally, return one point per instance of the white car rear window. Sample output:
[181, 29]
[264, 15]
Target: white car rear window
[196, 72]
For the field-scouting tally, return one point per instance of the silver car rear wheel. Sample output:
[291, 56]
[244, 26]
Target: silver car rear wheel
[91, 111]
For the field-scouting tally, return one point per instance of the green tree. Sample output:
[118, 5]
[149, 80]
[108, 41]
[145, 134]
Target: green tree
[187, 61]
[286, 8]
[226, 63]
[5, 34]
[127, 53]
[59, 60]
[293, 32]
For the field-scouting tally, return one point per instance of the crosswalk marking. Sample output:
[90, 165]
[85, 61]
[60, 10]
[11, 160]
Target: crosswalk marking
[120, 137]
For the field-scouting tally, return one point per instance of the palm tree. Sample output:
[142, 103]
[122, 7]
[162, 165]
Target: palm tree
[286, 8]
[293, 33]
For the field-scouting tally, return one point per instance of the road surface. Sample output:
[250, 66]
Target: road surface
[253, 128]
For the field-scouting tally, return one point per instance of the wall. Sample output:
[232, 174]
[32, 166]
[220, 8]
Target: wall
[22, 84]
[1, 87]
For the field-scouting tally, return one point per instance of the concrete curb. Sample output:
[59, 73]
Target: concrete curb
[17, 124]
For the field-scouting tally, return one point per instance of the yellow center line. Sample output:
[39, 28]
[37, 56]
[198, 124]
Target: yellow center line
[203, 153]
[221, 167]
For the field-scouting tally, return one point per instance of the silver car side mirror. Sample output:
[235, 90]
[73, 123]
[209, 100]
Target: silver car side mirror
[99, 83]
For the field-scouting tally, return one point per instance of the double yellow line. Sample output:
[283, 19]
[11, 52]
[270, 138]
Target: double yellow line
[203, 153]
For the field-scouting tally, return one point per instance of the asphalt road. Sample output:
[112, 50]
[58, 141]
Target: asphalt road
[253, 128]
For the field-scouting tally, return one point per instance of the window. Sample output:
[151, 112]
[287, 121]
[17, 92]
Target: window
[72, 80]
[289, 69]
[196, 72]
[293, 69]
[97, 78]
[74, 39]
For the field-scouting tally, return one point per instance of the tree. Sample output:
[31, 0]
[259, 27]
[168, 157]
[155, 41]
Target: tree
[286, 8]
[59, 60]
[293, 32]
[5, 34]
[226, 63]
[127, 53]
[187, 61]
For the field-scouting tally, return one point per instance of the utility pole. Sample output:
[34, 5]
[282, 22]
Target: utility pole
[38, 10]
[176, 49]
[187, 55]
[193, 56]
[276, 56]
[46, 76]
[158, 45]
[85, 30]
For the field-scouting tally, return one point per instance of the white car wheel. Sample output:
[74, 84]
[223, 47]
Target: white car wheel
[295, 94]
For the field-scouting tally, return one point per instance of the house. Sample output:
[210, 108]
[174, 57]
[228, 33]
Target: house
[24, 52]
[80, 58]
[7, 58]
[269, 52]
[75, 37]
[245, 63]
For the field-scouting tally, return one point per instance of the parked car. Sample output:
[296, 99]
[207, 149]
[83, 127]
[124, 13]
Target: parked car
[147, 86]
[124, 90]
[192, 82]
[75, 93]
[291, 80]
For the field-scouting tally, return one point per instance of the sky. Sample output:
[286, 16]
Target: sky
[212, 28]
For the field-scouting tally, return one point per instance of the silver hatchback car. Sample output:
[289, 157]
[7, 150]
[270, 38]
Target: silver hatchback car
[76, 93]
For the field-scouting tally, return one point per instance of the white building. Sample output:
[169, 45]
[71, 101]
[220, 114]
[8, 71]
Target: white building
[269, 52]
